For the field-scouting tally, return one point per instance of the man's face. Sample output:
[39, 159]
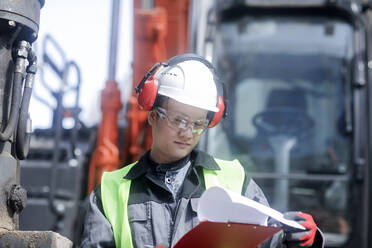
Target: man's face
[170, 143]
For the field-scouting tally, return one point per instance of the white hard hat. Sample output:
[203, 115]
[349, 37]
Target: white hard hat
[190, 82]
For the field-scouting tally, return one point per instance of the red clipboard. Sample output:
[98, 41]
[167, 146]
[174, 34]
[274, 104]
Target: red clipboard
[220, 235]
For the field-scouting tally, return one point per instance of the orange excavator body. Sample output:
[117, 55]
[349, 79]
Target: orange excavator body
[150, 27]
[106, 155]
[176, 39]
[158, 33]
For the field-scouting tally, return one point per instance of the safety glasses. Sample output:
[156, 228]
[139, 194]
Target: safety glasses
[180, 122]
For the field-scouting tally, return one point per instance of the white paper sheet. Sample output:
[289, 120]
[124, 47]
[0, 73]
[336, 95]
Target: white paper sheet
[219, 205]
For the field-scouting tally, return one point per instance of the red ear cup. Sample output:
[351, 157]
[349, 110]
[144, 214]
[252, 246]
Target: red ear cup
[218, 115]
[148, 93]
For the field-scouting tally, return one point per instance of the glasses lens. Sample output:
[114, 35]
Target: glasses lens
[179, 122]
[199, 126]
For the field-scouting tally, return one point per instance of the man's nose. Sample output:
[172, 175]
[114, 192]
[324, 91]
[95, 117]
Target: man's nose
[186, 131]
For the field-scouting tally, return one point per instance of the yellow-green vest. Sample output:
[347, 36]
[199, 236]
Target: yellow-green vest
[115, 193]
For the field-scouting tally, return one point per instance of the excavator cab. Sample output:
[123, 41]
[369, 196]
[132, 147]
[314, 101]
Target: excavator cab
[298, 113]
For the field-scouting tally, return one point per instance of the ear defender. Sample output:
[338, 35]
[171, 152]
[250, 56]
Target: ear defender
[147, 93]
[218, 115]
[147, 89]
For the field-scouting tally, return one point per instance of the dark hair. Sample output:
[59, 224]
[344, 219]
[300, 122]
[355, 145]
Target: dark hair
[160, 101]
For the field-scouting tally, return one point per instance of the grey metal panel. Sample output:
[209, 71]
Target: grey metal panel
[8, 167]
[225, 4]
[287, 3]
[67, 184]
[38, 216]
[33, 239]
[20, 19]
[6, 77]
[25, 12]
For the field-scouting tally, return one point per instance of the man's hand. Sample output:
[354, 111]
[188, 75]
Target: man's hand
[300, 238]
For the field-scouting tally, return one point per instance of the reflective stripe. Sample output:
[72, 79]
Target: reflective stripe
[113, 185]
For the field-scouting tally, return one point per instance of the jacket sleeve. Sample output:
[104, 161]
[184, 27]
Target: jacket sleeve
[97, 230]
[254, 192]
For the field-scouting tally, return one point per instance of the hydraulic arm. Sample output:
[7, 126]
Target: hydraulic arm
[19, 25]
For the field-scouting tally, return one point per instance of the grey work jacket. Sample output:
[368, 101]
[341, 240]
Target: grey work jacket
[156, 215]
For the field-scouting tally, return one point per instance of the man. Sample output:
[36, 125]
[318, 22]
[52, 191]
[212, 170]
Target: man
[153, 202]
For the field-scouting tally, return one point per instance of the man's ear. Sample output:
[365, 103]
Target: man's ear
[151, 117]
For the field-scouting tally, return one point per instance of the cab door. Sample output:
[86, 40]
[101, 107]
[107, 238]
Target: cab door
[297, 116]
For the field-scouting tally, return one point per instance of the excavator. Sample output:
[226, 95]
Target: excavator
[298, 79]
[298, 74]
[67, 168]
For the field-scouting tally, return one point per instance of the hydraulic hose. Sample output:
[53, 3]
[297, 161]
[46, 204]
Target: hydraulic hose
[24, 123]
[16, 98]
[19, 70]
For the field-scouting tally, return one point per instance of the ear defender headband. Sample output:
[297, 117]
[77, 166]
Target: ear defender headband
[147, 89]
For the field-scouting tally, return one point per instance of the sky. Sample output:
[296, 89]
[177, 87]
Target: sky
[82, 30]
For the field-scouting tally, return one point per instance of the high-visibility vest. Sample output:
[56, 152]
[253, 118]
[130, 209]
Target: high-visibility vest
[115, 193]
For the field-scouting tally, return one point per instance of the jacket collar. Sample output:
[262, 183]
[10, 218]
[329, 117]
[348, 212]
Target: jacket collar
[203, 159]
[143, 166]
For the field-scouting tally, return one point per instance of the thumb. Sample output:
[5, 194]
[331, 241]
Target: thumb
[310, 225]
[303, 238]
